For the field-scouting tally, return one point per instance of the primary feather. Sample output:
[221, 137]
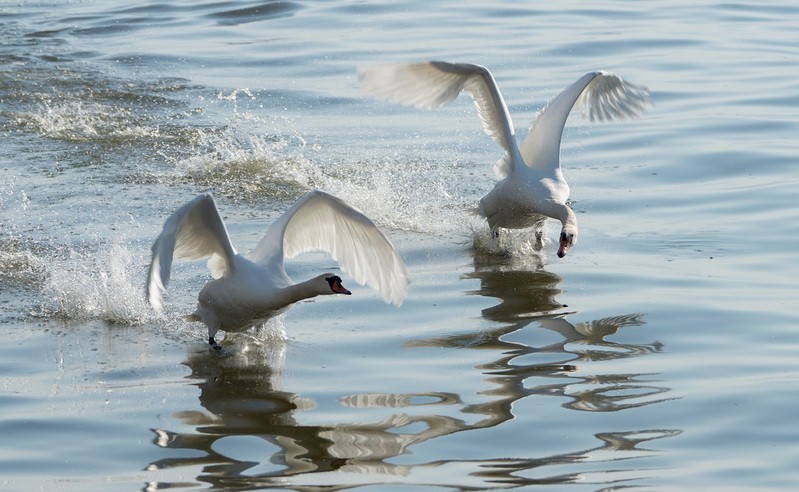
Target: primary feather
[248, 290]
[533, 184]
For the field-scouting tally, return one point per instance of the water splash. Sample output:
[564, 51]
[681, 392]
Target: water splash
[250, 167]
[96, 286]
[512, 243]
[401, 193]
[20, 268]
[263, 346]
[75, 120]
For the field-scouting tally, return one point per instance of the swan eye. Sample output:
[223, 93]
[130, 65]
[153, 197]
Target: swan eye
[336, 286]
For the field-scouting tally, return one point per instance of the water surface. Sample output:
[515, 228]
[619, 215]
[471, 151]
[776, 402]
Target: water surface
[660, 354]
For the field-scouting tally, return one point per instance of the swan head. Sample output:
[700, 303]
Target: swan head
[334, 285]
[568, 236]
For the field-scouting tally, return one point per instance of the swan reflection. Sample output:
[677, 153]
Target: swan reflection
[526, 295]
[240, 398]
[252, 433]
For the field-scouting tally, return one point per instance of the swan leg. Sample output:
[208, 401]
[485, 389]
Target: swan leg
[214, 345]
[212, 323]
[212, 330]
[219, 351]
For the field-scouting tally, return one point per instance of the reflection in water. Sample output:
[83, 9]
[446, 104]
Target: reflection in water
[243, 403]
[527, 294]
[616, 446]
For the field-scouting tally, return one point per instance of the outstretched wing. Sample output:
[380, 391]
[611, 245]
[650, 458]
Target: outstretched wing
[603, 96]
[609, 97]
[194, 232]
[433, 84]
[322, 222]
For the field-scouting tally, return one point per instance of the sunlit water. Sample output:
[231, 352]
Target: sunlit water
[660, 354]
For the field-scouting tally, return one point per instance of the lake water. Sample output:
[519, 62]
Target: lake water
[660, 354]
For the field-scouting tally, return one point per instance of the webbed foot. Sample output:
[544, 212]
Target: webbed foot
[218, 350]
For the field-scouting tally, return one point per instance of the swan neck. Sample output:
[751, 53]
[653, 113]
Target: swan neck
[302, 290]
[566, 216]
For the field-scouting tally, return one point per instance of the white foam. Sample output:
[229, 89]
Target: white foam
[512, 243]
[99, 286]
[80, 121]
[406, 194]
[248, 167]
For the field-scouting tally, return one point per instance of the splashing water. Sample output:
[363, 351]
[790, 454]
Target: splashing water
[407, 194]
[85, 121]
[18, 267]
[512, 243]
[99, 287]
[248, 168]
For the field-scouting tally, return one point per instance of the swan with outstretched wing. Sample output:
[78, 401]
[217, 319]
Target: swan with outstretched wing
[532, 183]
[248, 290]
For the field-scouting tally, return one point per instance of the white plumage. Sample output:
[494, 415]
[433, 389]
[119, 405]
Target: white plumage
[533, 184]
[248, 290]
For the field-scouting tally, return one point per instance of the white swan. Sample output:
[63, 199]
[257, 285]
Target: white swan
[249, 290]
[533, 184]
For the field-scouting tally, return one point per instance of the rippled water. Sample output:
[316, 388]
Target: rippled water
[661, 354]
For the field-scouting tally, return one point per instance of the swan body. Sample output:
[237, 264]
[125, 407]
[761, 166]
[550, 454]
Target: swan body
[532, 185]
[247, 290]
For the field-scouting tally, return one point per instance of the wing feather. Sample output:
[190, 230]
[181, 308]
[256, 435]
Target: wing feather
[602, 96]
[322, 222]
[195, 231]
[433, 84]
[609, 97]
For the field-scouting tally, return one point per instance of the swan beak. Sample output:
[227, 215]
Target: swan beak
[565, 244]
[340, 289]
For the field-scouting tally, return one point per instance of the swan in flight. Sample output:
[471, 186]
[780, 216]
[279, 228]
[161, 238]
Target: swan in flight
[248, 290]
[532, 185]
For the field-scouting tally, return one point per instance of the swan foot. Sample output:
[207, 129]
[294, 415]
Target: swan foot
[218, 350]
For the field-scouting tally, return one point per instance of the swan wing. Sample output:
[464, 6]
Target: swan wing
[322, 222]
[195, 231]
[602, 96]
[433, 84]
